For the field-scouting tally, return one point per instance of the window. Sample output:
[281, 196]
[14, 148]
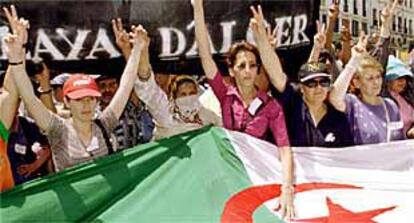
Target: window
[336, 26]
[405, 26]
[345, 5]
[364, 8]
[355, 28]
[394, 26]
[324, 19]
[400, 24]
[365, 27]
[374, 17]
[355, 7]
[410, 27]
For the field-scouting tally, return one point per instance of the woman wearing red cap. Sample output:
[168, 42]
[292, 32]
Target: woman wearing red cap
[80, 138]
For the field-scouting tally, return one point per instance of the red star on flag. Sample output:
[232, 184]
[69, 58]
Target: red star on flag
[339, 214]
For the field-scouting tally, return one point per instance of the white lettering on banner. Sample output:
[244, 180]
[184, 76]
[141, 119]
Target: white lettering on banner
[173, 40]
[193, 50]
[103, 40]
[166, 36]
[77, 46]
[43, 40]
[284, 24]
[227, 35]
[301, 23]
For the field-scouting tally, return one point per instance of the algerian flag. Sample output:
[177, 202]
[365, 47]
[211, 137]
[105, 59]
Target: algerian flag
[213, 175]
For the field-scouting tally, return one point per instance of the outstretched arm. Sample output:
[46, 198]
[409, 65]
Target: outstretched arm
[381, 50]
[346, 38]
[201, 33]
[332, 18]
[318, 43]
[16, 57]
[129, 75]
[340, 87]
[268, 56]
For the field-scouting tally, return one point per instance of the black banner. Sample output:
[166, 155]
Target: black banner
[76, 36]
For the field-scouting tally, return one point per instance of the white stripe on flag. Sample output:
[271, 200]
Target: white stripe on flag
[385, 171]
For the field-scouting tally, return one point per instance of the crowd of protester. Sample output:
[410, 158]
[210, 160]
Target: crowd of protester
[347, 93]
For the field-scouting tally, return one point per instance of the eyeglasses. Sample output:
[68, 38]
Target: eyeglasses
[325, 82]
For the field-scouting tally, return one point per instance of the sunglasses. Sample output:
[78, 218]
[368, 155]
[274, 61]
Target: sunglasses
[324, 82]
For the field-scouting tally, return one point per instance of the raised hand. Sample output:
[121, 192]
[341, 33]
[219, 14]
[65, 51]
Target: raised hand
[121, 36]
[334, 10]
[271, 36]
[388, 13]
[257, 23]
[18, 25]
[139, 36]
[361, 47]
[320, 37]
[16, 42]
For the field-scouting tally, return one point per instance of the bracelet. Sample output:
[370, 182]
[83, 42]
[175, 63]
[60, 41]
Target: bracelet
[15, 63]
[41, 91]
[287, 188]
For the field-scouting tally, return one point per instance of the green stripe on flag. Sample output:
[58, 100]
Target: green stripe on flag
[186, 178]
[4, 133]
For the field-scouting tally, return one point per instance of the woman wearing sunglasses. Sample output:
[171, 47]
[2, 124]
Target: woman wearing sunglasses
[244, 107]
[312, 121]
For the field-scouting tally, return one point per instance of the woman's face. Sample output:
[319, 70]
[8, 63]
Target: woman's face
[245, 69]
[83, 109]
[397, 85]
[316, 90]
[369, 82]
[186, 89]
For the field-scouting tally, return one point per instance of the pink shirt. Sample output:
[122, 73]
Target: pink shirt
[263, 114]
[406, 111]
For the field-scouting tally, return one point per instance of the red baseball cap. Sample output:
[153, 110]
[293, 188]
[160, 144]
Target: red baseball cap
[79, 86]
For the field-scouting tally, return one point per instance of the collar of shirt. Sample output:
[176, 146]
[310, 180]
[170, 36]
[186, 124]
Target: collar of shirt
[263, 96]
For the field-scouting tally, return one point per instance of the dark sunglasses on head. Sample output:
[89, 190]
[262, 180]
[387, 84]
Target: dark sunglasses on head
[324, 82]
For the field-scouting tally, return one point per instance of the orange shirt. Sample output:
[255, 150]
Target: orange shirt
[6, 176]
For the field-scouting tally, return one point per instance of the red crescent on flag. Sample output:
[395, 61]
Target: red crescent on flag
[241, 206]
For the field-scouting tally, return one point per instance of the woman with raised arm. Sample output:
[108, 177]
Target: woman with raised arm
[313, 121]
[80, 138]
[373, 119]
[178, 112]
[9, 100]
[244, 107]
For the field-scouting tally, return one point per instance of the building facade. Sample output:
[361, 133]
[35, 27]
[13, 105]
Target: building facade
[367, 14]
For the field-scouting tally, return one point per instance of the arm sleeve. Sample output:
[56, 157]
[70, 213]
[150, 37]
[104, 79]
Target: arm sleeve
[219, 87]
[155, 99]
